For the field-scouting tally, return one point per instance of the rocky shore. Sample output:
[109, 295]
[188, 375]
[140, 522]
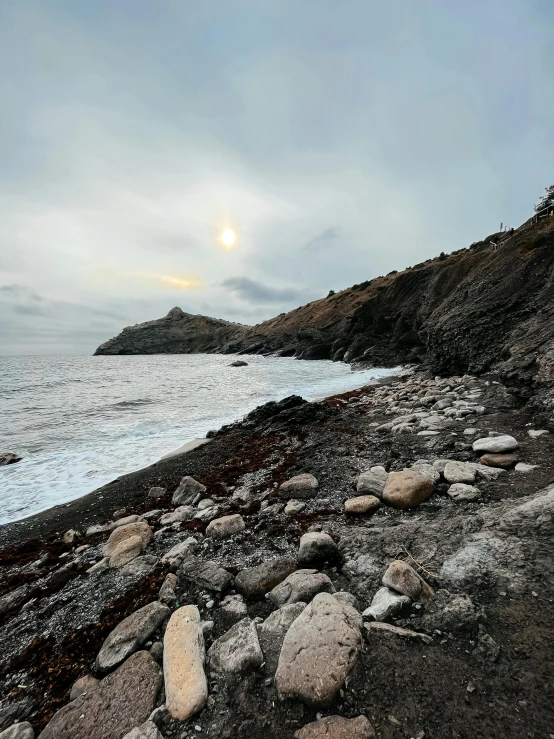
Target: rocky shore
[378, 564]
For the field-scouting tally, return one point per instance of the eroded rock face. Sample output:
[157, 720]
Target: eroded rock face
[337, 727]
[186, 687]
[255, 582]
[299, 487]
[302, 585]
[319, 651]
[238, 651]
[122, 700]
[407, 489]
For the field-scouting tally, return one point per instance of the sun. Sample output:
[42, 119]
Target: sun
[228, 238]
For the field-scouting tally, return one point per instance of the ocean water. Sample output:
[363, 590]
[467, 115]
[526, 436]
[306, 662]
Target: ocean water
[80, 421]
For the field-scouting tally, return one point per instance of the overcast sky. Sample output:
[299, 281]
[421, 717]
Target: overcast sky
[339, 140]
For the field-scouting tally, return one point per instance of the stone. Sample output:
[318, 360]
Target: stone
[100, 528]
[496, 444]
[157, 651]
[463, 493]
[428, 432]
[362, 504]
[459, 472]
[337, 727]
[470, 431]
[188, 492]
[487, 473]
[407, 489]
[125, 551]
[239, 363]
[302, 585]
[71, 537]
[207, 514]
[347, 599]
[300, 486]
[372, 482]
[157, 492]
[234, 607]
[148, 730]
[499, 460]
[427, 470]
[102, 566]
[255, 582]
[122, 700]
[125, 520]
[404, 579]
[221, 528]
[206, 503]
[272, 631]
[386, 603]
[174, 556]
[8, 458]
[167, 593]
[205, 573]
[152, 515]
[316, 547]
[319, 651]
[186, 687]
[14, 599]
[448, 612]
[22, 730]
[525, 468]
[293, 507]
[121, 533]
[388, 630]
[140, 566]
[83, 685]
[179, 515]
[238, 651]
[537, 433]
[487, 560]
[130, 634]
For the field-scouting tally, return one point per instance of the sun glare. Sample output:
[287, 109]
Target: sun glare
[228, 238]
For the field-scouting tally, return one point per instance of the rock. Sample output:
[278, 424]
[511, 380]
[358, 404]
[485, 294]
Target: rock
[152, 515]
[447, 612]
[239, 363]
[130, 634]
[221, 528]
[122, 700]
[140, 566]
[293, 507]
[404, 579]
[301, 486]
[205, 573]
[386, 603]
[82, 685]
[100, 528]
[470, 431]
[463, 493]
[167, 593]
[125, 520]
[459, 472]
[485, 559]
[71, 537]
[148, 730]
[427, 470]
[525, 468]
[388, 630]
[302, 585]
[22, 730]
[120, 513]
[319, 651]
[207, 514]
[362, 504]
[316, 547]
[337, 727]
[537, 433]
[238, 651]
[255, 582]
[125, 551]
[186, 687]
[372, 482]
[176, 554]
[157, 651]
[8, 458]
[271, 633]
[121, 533]
[206, 503]
[487, 473]
[179, 515]
[14, 599]
[496, 444]
[101, 566]
[234, 607]
[407, 489]
[499, 460]
[428, 432]
[347, 599]
[188, 492]
[157, 492]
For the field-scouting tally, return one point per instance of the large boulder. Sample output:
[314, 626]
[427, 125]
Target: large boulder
[177, 553]
[386, 603]
[188, 492]
[205, 573]
[221, 528]
[130, 634]
[22, 730]
[186, 687]
[404, 579]
[318, 653]
[372, 482]
[299, 487]
[272, 631]
[127, 550]
[238, 651]
[255, 582]
[122, 700]
[407, 489]
[302, 585]
[121, 533]
[496, 444]
[316, 547]
[337, 727]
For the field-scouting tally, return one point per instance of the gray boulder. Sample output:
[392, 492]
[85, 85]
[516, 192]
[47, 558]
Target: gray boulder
[372, 482]
[255, 582]
[302, 585]
[316, 547]
[205, 573]
[23, 730]
[459, 472]
[272, 631]
[233, 607]
[386, 603]
[238, 651]
[176, 554]
[299, 487]
[188, 492]
[496, 444]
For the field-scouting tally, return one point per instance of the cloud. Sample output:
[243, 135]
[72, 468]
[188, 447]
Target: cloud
[254, 291]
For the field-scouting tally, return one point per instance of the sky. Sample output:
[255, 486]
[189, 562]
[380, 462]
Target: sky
[338, 140]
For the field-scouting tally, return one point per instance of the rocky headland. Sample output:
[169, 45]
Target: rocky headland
[377, 564]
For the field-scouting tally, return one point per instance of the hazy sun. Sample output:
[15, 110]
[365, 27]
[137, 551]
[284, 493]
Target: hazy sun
[228, 238]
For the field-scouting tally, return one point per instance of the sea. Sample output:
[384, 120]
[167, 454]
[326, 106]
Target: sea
[79, 422]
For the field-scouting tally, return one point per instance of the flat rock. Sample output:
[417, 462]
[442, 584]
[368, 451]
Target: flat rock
[496, 444]
[255, 582]
[221, 528]
[188, 492]
[302, 585]
[404, 579]
[386, 603]
[125, 551]
[124, 520]
[148, 730]
[362, 504]
[121, 533]
[130, 634]
[8, 458]
[499, 460]
[537, 433]
[459, 472]
[388, 630]
[167, 593]
[372, 482]
[238, 651]
[487, 473]
[407, 489]
[234, 607]
[22, 730]
[319, 651]
[122, 700]
[337, 727]
[157, 492]
[293, 507]
[299, 487]
[316, 547]
[205, 573]
[463, 493]
[525, 468]
[140, 566]
[186, 687]
[177, 553]
[271, 633]
[179, 515]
